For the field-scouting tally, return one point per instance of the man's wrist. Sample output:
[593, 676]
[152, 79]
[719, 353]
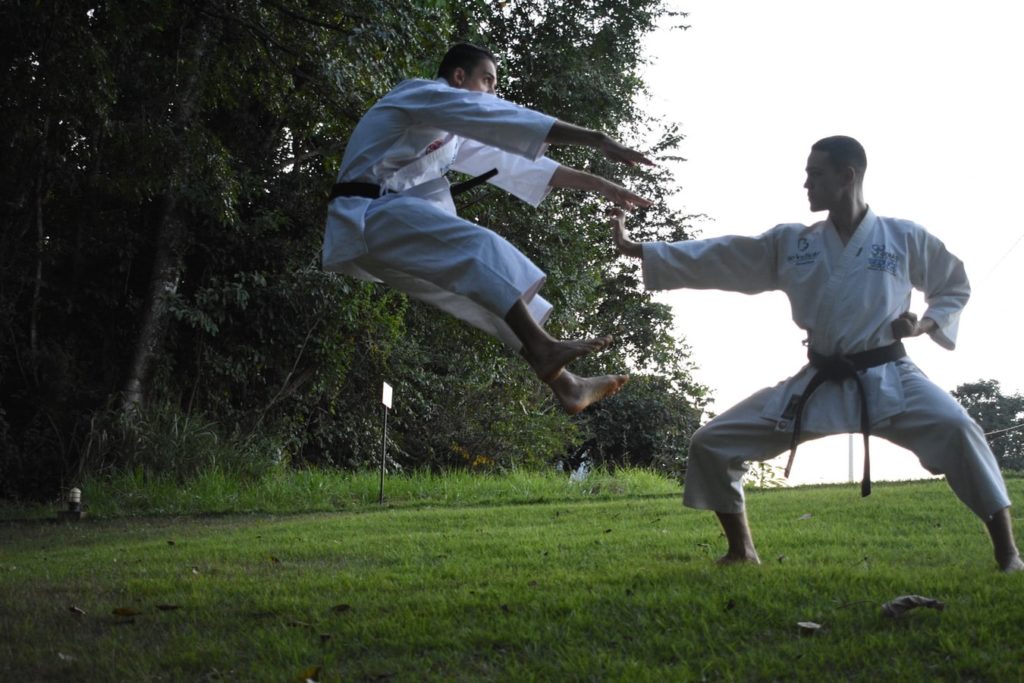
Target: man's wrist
[631, 249]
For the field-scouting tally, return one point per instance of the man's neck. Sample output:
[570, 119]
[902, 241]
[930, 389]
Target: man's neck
[846, 218]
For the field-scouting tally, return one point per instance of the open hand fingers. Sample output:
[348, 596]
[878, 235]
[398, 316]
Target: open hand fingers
[634, 158]
[637, 201]
[625, 199]
[616, 151]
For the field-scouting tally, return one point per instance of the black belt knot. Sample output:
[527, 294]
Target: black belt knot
[839, 368]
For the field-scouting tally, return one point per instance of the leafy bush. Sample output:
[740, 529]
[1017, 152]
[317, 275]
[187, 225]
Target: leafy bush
[647, 424]
[164, 442]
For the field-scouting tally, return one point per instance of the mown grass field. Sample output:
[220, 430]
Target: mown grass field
[617, 584]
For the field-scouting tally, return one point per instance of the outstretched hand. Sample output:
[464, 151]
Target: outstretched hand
[616, 151]
[626, 246]
[621, 197]
[907, 325]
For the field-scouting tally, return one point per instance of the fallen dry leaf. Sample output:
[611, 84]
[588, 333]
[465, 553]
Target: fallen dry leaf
[125, 612]
[904, 603]
[806, 515]
[76, 610]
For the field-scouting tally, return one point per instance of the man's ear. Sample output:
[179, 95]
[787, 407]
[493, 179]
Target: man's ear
[458, 77]
[850, 176]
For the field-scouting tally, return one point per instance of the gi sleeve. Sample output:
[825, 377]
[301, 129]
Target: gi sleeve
[942, 278]
[477, 116]
[731, 263]
[527, 179]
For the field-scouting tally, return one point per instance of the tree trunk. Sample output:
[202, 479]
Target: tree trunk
[169, 241]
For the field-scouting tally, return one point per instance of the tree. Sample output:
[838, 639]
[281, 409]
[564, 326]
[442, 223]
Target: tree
[163, 184]
[162, 196]
[1000, 415]
[581, 61]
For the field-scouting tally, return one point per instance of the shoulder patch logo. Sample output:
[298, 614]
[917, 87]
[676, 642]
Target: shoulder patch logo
[804, 255]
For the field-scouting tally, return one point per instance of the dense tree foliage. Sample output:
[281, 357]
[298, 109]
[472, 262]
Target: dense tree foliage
[162, 195]
[1000, 415]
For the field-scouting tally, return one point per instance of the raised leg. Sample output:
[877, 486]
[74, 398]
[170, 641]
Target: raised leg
[549, 356]
[576, 393]
[545, 354]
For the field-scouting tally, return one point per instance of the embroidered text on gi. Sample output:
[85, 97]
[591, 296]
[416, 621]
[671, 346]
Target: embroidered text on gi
[883, 260]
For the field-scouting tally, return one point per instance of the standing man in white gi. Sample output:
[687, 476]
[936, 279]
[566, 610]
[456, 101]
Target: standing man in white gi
[849, 281]
[391, 217]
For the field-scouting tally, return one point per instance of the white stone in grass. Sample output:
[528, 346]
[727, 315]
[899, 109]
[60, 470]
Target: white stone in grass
[808, 628]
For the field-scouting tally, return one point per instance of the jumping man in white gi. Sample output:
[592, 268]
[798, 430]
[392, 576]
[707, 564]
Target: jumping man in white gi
[849, 281]
[391, 217]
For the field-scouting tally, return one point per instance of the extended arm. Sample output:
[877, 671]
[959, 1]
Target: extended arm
[563, 133]
[732, 263]
[565, 176]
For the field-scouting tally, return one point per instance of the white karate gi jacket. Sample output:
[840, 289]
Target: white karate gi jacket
[413, 135]
[844, 296]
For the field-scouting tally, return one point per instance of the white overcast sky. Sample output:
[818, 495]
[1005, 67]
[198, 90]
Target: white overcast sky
[932, 90]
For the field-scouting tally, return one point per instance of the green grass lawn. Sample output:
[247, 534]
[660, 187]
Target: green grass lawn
[613, 585]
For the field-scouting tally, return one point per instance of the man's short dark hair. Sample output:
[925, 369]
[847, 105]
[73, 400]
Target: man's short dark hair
[463, 56]
[843, 151]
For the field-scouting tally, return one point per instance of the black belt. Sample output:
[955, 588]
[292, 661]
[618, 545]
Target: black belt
[368, 190]
[372, 191]
[836, 369]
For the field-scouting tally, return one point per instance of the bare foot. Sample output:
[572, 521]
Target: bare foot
[576, 393]
[1014, 564]
[731, 558]
[551, 358]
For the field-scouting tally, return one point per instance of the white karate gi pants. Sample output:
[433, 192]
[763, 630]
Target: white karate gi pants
[934, 427]
[419, 248]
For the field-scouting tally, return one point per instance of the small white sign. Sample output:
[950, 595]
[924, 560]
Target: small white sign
[386, 396]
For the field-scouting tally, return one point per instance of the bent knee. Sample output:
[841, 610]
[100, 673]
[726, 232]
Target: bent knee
[959, 426]
[702, 442]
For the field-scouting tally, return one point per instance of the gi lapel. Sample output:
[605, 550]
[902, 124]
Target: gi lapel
[842, 264]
